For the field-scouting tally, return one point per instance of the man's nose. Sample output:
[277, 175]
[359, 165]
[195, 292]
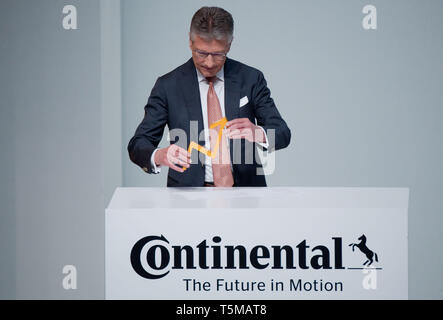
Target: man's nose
[209, 61]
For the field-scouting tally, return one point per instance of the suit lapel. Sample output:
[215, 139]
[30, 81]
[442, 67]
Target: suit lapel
[191, 93]
[232, 98]
[232, 91]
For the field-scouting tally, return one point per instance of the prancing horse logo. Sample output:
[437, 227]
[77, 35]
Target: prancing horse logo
[363, 248]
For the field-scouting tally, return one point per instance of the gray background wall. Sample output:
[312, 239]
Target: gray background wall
[60, 145]
[364, 108]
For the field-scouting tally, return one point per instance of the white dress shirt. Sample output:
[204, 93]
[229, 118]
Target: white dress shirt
[219, 87]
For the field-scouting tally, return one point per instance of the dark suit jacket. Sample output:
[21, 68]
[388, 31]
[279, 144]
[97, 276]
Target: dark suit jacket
[175, 101]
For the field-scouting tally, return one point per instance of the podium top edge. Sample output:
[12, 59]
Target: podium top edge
[257, 197]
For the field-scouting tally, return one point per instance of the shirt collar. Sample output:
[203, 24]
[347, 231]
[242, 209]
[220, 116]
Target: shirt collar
[220, 75]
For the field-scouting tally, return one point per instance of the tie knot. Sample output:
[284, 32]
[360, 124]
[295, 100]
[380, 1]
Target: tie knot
[211, 79]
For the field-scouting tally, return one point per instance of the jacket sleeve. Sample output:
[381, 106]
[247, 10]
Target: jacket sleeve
[268, 116]
[150, 131]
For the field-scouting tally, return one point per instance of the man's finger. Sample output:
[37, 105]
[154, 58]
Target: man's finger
[238, 136]
[181, 162]
[240, 130]
[184, 158]
[172, 163]
[171, 159]
[184, 152]
[235, 121]
[237, 126]
[246, 131]
[231, 132]
[175, 150]
[172, 151]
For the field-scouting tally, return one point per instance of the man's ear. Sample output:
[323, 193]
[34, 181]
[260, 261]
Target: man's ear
[190, 41]
[229, 46]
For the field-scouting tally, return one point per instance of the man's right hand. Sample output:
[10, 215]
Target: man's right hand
[172, 156]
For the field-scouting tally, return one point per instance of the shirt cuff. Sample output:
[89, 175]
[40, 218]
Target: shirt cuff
[266, 143]
[155, 169]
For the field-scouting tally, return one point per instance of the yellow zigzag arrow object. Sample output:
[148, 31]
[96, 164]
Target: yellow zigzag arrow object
[199, 148]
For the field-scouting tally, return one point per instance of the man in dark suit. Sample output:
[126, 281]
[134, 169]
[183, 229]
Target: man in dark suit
[193, 97]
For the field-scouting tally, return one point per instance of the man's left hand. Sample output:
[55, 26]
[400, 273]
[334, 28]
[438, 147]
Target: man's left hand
[243, 128]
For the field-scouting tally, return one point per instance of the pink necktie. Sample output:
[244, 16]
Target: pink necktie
[221, 163]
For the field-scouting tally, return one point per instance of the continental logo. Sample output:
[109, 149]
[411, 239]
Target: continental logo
[153, 257]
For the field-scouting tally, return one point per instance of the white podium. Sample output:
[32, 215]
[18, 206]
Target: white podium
[257, 243]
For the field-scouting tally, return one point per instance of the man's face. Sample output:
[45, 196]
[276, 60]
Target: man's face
[209, 65]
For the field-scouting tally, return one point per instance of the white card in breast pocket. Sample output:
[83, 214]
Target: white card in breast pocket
[243, 101]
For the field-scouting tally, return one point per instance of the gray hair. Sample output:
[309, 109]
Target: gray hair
[212, 23]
